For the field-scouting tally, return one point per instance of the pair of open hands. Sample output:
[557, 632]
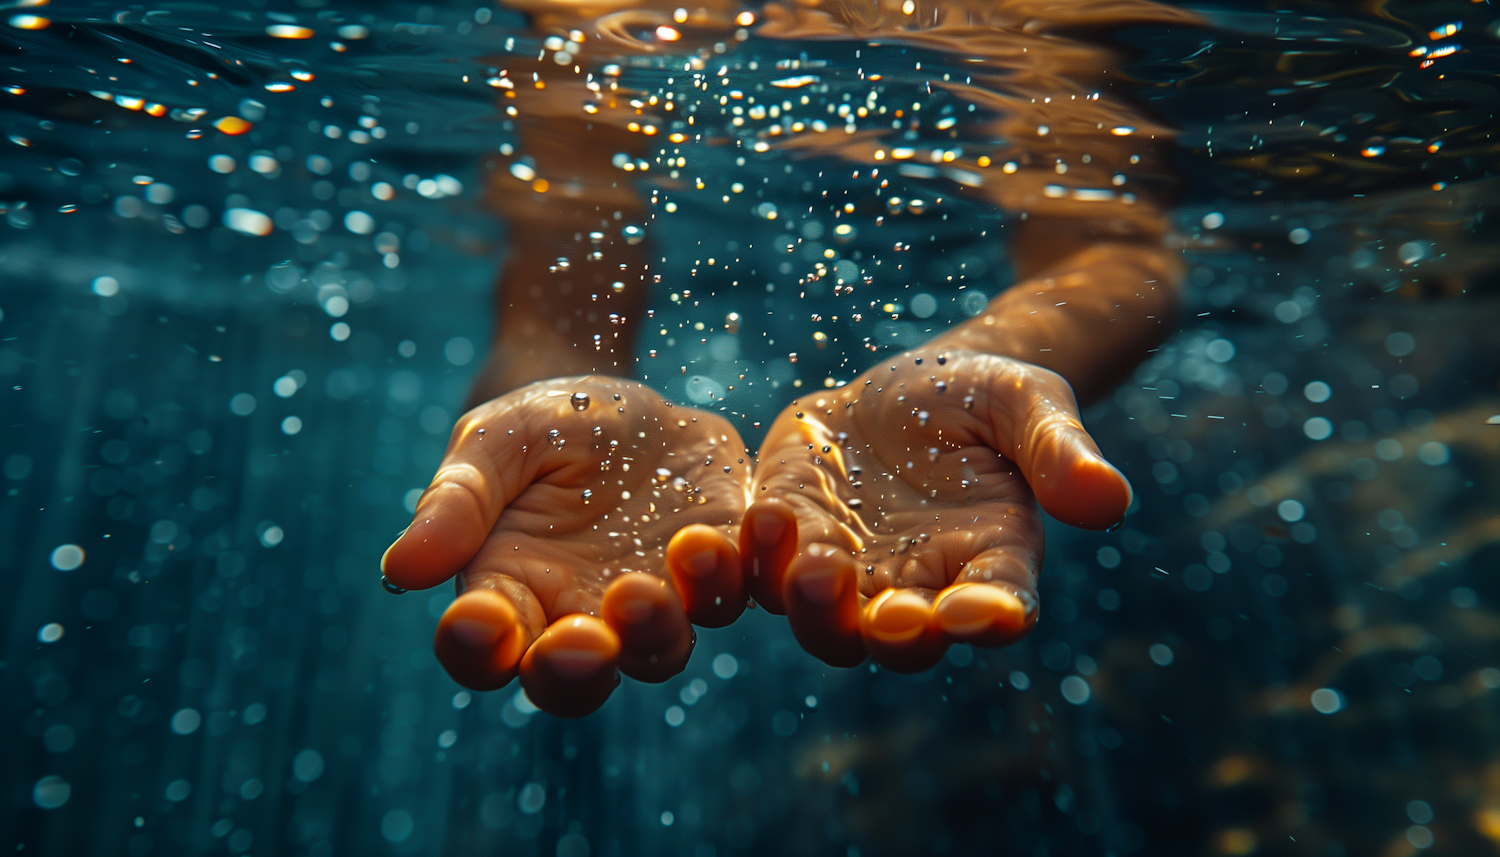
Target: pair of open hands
[591, 523]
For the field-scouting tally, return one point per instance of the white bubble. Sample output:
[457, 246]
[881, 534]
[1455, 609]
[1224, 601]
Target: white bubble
[67, 557]
[1075, 690]
[923, 305]
[255, 712]
[186, 721]
[222, 164]
[1288, 311]
[291, 425]
[396, 826]
[285, 386]
[106, 287]
[675, 715]
[459, 351]
[50, 632]
[1433, 453]
[1220, 351]
[1290, 511]
[1326, 700]
[1400, 344]
[242, 405]
[178, 790]
[248, 221]
[1213, 220]
[271, 536]
[1419, 836]
[336, 306]
[531, 798]
[1317, 392]
[1412, 252]
[51, 792]
[1299, 236]
[667, 818]
[1490, 678]
[1419, 811]
[339, 331]
[1019, 680]
[1161, 654]
[307, 765]
[1317, 428]
[359, 223]
[703, 390]
[725, 666]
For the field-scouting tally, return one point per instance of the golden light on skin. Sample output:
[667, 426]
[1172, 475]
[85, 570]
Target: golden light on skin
[30, 22]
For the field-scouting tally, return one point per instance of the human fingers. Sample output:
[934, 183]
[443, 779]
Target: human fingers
[484, 469]
[572, 667]
[483, 634]
[1034, 421]
[821, 595]
[993, 602]
[768, 542]
[648, 617]
[705, 566]
[900, 632]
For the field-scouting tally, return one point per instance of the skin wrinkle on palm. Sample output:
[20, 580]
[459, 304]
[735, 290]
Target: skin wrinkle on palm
[918, 526]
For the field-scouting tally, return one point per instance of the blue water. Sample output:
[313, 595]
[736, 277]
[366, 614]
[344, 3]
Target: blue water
[208, 435]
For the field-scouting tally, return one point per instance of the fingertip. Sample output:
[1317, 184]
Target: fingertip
[571, 668]
[705, 567]
[648, 618]
[768, 543]
[820, 592]
[900, 633]
[447, 532]
[480, 640]
[984, 614]
[1091, 493]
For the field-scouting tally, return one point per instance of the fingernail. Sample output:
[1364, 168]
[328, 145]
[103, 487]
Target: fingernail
[475, 633]
[768, 528]
[821, 585]
[703, 563]
[636, 611]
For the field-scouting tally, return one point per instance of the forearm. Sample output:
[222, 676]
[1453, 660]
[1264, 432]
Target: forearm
[1092, 316]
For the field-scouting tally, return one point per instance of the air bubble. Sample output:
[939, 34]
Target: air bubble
[579, 401]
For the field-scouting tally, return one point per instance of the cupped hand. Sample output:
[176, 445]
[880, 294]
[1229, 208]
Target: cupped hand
[897, 514]
[587, 520]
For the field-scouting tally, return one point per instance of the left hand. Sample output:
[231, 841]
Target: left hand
[897, 514]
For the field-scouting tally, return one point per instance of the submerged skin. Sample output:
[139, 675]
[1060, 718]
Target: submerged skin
[887, 518]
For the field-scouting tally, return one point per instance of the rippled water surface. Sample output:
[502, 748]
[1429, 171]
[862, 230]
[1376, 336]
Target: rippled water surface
[245, 271]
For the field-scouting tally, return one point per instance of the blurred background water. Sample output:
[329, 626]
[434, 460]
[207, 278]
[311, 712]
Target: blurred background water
[241, 264]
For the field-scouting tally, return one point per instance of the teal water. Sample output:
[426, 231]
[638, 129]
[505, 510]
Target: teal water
[227, 361]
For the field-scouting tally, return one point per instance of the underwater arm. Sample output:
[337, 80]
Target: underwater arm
[1088, 310]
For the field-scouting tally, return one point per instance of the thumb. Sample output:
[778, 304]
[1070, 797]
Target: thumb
[1033, 420]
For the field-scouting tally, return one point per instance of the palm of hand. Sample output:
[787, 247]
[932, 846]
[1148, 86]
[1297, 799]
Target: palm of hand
[564, 509]
[886, 521]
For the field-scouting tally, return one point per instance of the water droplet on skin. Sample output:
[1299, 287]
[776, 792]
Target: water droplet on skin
[942, 359]
[932, 453]
[663, 474]
[388, 586]
[587, 494]
[968, 403]
[580, 401]
[923, 417]
[942, 386]
[598, 431]
[479, 432]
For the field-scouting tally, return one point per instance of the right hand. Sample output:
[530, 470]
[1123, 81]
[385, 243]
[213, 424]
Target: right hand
[585, 533]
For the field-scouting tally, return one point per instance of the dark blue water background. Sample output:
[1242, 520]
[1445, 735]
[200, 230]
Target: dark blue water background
[209, 435]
